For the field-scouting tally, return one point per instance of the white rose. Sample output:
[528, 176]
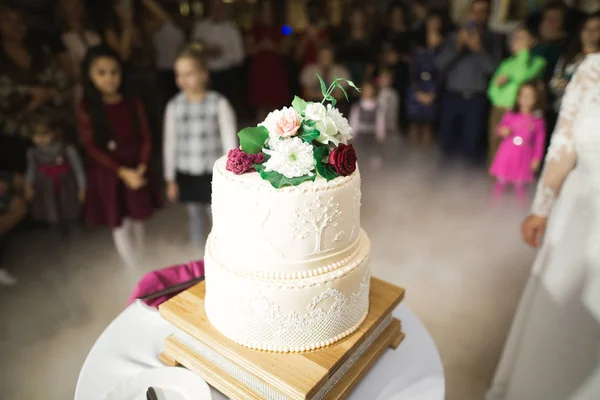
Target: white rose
[271, 122]
[315, 111]
[344, 130]
[291, 158]
[328, 131]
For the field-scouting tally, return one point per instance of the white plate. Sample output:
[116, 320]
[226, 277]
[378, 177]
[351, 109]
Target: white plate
[171, 383]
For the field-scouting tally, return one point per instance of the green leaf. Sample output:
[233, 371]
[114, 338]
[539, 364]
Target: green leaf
[277, 180]
[321, 154]
[352, 85]
[331, 99]
[344, 90]
[309, 133]
[299, 105]
[252, 139]
[323, 87]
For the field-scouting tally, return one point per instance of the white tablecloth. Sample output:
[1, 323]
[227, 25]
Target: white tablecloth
[130, 344]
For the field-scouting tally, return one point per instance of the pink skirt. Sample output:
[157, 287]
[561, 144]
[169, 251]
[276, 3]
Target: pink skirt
[512, 163]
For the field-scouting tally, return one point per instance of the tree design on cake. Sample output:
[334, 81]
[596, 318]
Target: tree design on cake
[356, 216]
[314, 218]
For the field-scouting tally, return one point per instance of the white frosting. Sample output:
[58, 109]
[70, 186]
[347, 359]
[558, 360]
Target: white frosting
[287, 270]
[290, 315]
[283, 233]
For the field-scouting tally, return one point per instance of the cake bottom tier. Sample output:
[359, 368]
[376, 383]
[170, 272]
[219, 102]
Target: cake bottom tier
[288, 315]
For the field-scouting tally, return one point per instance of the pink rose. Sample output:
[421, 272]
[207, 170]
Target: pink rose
[288, 124]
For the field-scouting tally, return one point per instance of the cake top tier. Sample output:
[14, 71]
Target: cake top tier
[263, 231]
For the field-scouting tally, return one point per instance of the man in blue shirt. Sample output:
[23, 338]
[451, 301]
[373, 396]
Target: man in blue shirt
[467, 61]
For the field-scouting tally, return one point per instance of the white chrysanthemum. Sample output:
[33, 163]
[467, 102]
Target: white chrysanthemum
[344, 130]
[291, 158]
[315, 111]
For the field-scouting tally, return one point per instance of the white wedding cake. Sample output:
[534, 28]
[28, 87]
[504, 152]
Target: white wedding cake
[287, 263]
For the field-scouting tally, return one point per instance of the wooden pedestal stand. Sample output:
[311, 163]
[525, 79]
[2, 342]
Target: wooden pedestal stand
[240, 373]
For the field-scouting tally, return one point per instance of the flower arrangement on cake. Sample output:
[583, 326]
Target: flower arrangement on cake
[295, 144]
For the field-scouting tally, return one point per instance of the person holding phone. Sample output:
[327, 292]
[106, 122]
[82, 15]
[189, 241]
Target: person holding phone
[467, 61]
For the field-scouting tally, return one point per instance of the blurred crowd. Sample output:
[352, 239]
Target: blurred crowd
[423, 77]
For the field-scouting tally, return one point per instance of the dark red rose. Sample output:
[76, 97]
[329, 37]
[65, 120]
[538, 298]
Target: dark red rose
[343, 159]
[239, 162]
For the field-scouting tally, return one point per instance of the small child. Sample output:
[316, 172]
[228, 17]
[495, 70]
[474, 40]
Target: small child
[368, 122]
[121, 189]
[200, 127]
[55, 179]
[389, 101]
[523, 133]
[421, 97]
[504, 86]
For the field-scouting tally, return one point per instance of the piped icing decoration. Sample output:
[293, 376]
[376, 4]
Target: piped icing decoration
[305, 348]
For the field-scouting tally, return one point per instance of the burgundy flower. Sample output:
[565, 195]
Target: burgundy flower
[343, 159]
[239, 162]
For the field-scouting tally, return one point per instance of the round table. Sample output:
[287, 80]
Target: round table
[131, 343]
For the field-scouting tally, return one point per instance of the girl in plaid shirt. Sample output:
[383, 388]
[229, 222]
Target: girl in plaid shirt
[199, 128]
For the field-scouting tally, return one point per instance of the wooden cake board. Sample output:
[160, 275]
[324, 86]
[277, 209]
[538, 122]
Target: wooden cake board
[241, 373]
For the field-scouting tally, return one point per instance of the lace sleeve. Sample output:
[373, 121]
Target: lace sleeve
[561, 156]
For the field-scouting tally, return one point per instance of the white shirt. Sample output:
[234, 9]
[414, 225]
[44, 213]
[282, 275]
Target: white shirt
[221, 34]
[168, 41]
[227, 130]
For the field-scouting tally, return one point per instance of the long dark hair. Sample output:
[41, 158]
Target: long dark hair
[92, 98]
[420, 35]
[540, 96]
[575, 47]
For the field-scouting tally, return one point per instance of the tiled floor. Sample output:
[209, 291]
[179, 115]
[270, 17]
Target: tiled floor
[433, 229]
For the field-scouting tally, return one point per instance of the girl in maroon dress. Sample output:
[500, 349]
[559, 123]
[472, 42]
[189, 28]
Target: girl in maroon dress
[116, 137]
[267, 46]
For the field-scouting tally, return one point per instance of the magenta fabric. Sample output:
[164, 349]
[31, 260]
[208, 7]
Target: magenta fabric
[517, 151]
[166, 278]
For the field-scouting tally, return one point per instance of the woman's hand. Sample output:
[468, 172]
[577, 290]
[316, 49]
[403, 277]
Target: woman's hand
[421, 97]
[172, 191]
[429, 98]
[533, 229]
[535, 165]
[132, 178]
[81, 196]
[560, 83]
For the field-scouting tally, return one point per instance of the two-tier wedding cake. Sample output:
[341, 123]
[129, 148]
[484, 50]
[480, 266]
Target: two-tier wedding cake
[287, 263]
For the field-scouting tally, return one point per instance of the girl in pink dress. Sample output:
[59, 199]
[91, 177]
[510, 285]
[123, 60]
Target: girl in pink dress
[522, 148]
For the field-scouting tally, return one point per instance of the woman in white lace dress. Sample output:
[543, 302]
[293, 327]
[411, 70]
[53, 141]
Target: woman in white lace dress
[553, 349]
